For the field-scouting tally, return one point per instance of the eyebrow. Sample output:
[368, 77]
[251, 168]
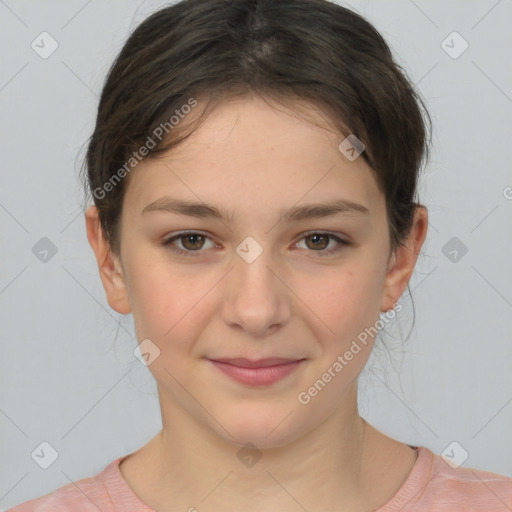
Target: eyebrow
[294, 214]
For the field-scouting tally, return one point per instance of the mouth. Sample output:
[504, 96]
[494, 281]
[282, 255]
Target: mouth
[262, 372]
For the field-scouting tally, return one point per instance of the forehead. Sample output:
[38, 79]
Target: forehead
[248, 152]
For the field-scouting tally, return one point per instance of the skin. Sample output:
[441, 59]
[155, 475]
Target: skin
[289, 302]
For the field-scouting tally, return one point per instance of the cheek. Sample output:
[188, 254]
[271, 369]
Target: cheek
[346, 300]
[168, 305]
[348, 305]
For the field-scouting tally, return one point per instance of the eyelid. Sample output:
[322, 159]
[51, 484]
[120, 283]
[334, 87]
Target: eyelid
[341, 241]
[298, 237]
[322, 232]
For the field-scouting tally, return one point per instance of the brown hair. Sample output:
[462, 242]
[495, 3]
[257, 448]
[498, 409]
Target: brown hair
[285, 50]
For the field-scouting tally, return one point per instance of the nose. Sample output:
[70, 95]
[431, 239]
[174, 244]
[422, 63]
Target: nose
[257, 300]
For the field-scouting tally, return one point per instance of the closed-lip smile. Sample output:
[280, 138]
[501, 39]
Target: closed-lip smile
[242, 362]
[261, 372]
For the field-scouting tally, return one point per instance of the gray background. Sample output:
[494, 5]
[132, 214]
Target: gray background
[68, 374]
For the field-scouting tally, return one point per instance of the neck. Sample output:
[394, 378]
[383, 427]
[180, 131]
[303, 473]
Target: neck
[193, 464]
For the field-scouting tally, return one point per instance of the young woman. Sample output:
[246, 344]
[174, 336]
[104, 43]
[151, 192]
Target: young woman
[254, 169]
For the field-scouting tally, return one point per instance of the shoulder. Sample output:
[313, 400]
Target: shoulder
[467, 488]
[436, 484]
[85, 495]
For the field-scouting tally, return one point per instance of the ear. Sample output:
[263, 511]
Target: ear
[109, 265]
[403, 261]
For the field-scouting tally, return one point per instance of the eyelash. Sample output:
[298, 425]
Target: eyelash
[169, 243]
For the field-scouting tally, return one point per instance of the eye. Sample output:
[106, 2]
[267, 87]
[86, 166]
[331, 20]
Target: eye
[193, 241]
[319, 240]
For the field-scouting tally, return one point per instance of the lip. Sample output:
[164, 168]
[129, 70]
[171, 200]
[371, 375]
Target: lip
[262, 372]
[242, 362]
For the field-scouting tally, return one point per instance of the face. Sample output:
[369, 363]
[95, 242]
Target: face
[256, 282]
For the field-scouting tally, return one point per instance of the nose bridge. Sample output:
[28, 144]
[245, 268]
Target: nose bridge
[253, 265]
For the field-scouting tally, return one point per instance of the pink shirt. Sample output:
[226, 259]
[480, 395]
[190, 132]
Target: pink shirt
[432, 485]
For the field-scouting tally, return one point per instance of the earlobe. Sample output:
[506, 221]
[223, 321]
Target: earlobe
[403, 261]
[109, 266]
